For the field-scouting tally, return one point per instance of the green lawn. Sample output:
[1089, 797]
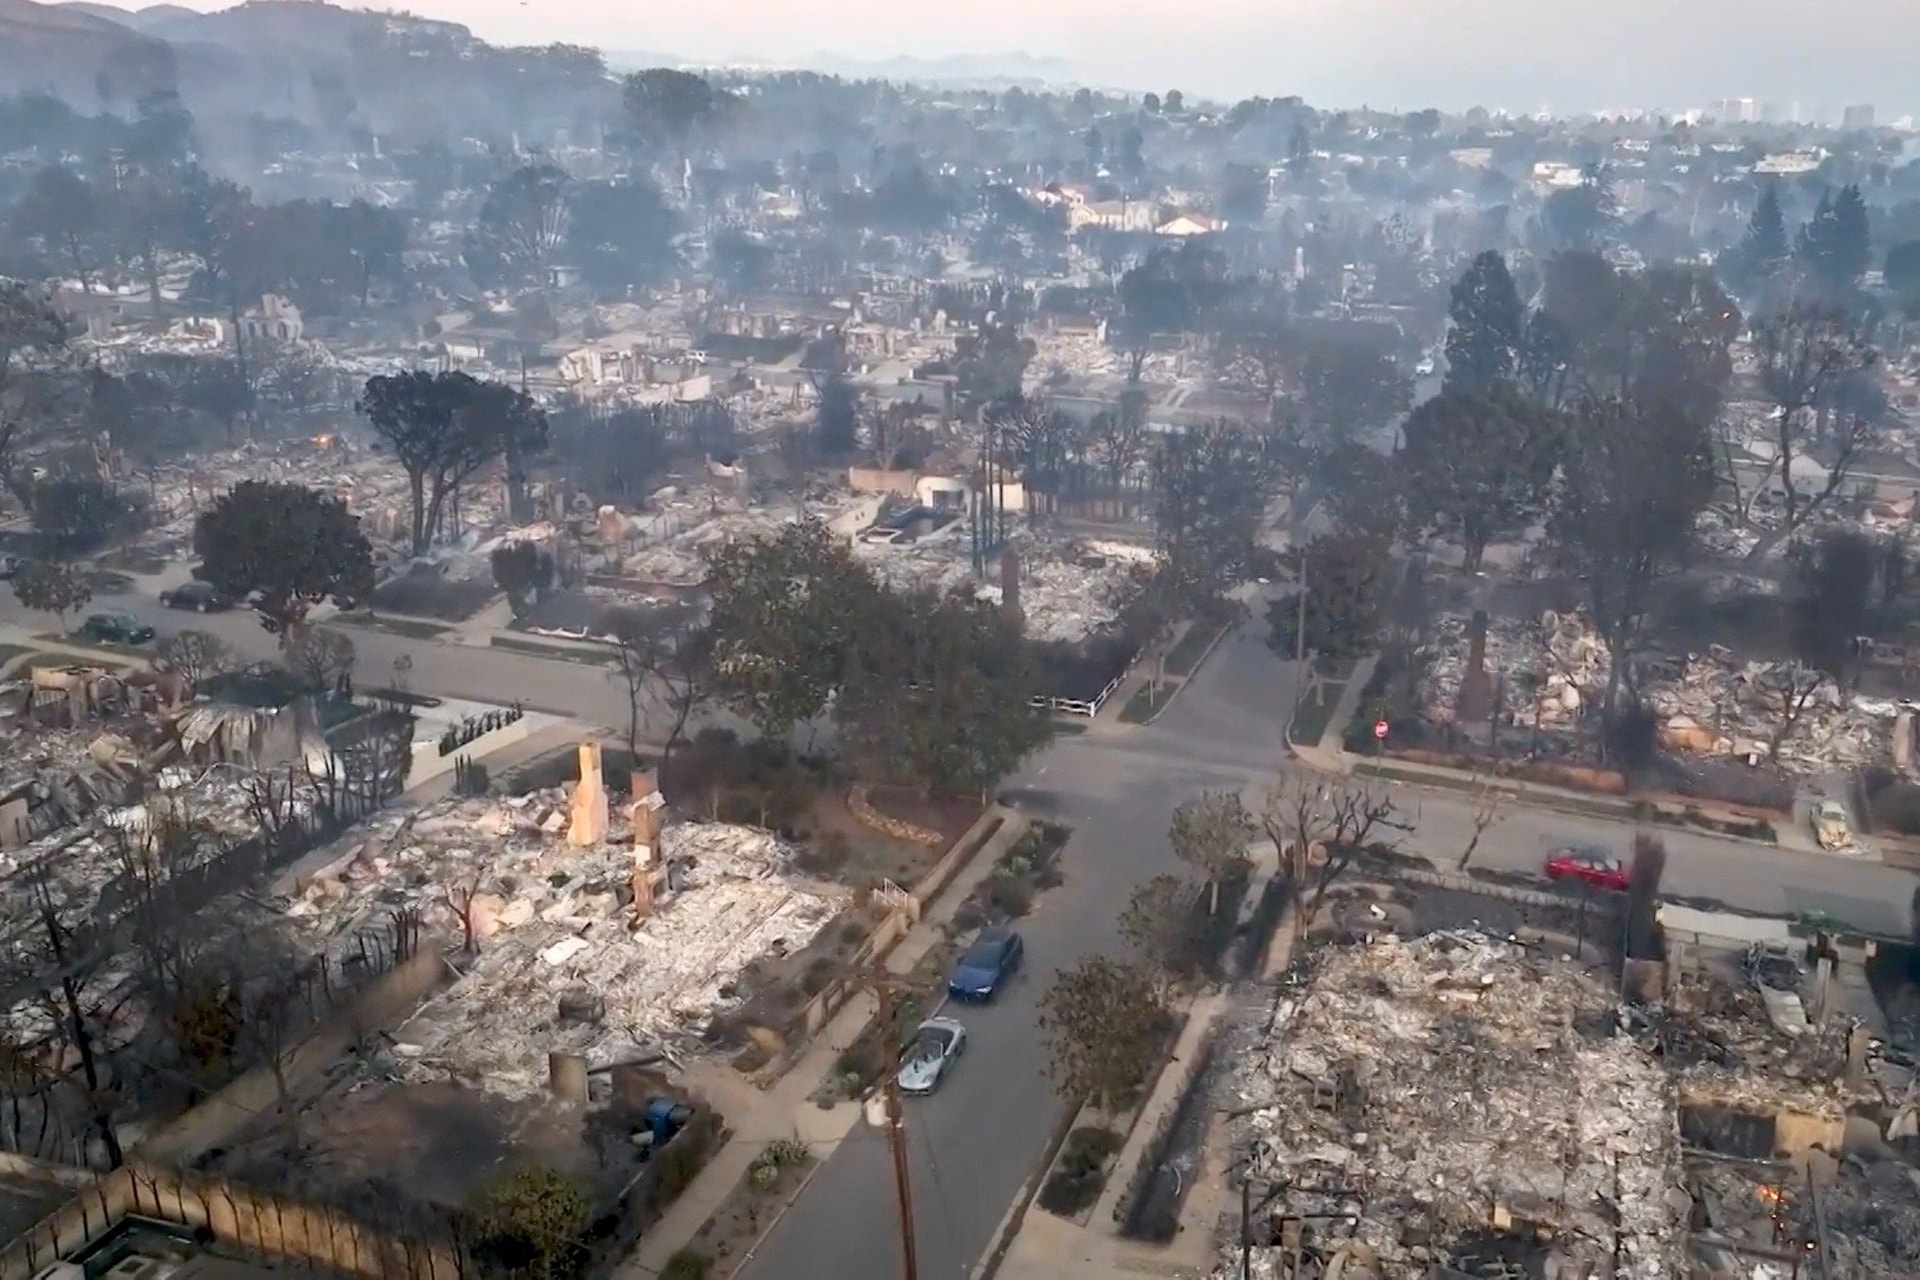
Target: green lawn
[1193, 646]
[1335, 668]
[1316, 709]
[1144, 705]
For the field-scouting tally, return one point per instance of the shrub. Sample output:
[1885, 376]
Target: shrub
[763, 1175]
[787, 1152]
[687, 1263]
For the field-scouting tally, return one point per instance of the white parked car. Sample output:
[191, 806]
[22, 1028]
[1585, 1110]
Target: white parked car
[938, 1042]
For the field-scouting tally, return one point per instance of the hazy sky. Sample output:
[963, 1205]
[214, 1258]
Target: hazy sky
[1516, 54]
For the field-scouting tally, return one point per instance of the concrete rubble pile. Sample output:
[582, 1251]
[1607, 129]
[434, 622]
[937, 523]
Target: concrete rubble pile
[371, 482]
[1085, 355]
[562, 964]
[1447, 1085]
[1721, 705]
[1549, 672]
[671, 542]
[1067, 588]
[1712, 703]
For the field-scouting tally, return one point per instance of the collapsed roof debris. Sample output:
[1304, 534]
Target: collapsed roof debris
[562, 964]
[1710, 703]
[1440, 1087]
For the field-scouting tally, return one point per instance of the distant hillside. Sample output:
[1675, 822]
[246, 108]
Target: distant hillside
[955, 69]
[78, 54]
[338, 70]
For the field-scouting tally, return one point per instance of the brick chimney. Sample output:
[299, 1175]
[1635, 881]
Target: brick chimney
[1010, 583]
[649, 816]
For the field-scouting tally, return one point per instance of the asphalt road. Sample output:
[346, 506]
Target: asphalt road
[476, 672]
[974, 1144]
[977, 1140]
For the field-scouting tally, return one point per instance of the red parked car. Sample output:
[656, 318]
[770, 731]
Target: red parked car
[1588, 865]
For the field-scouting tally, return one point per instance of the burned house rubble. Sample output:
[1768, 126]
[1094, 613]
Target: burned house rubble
[1436, 1088]
[585, 926]
[1463, 1104]
[1541, 677]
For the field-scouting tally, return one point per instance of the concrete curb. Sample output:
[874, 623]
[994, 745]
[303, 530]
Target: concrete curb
[1016, 1215]
[819, 1163]
[1453, 781]
[1173, 695]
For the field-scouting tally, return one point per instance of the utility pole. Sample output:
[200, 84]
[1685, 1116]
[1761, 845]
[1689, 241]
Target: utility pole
[886, 987]
[897, 1138]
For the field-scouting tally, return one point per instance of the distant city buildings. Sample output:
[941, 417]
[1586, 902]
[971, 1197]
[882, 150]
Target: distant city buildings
[1857, 117]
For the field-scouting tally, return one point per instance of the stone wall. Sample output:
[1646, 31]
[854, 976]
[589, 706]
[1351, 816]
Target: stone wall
[868, 816]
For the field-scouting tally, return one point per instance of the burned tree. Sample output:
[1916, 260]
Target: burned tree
[196, 655]
[1809, 356]
[1633, 482]
[665, 663]
[1319, 829]
[1827, 616]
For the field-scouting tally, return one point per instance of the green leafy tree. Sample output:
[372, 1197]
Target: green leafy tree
[1476, 463]
[836, 419]
[1902, 268]
[532, 1222]
[294, 545]
[1580, 217]
[662, 102]
[62, 209]
[620, 234]
[524, 572]
[941, 695]
[1488, 320]
[77, 514]
[1344, 602]
[1349, 387]
[789, 616]
[1104, 1027]
[445, 427]
[51, 586]
[1830, 601]
[1210, 489]
[1210, 833]
[1159, 927]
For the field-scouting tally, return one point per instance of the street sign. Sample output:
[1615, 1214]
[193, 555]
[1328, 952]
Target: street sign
[1380, 730]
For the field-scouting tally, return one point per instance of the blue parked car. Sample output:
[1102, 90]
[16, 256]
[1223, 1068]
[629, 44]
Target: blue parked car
[988, 963]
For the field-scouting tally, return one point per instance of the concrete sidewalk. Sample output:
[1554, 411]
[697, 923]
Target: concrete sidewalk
[756, 1117]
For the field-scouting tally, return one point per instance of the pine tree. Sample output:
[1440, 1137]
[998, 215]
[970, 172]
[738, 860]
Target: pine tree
[1833, 246]
[1487, 322]
[1763, 252]
[1853, 233]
